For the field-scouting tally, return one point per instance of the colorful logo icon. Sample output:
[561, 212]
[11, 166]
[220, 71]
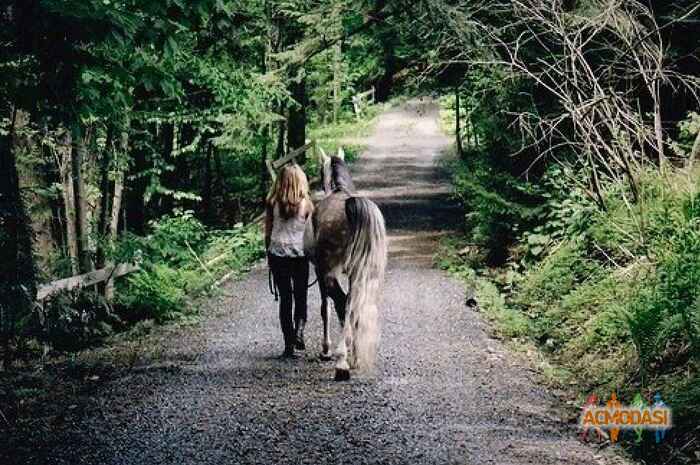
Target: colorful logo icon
[607, 420]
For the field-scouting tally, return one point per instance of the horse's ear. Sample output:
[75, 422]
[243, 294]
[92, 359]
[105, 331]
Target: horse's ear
[325, 165]
[322, 157]
[341, 153]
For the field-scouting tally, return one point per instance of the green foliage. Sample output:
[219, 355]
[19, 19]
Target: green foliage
[685, 401]
[542, 287]
[240, 247]
[667, 312]
[495, 203]
[178, 103]
[613, 296]
[73, 321]
[460, 261]
[173, 238]
[157, 293]
[509, 321]
[563, 214]
[343, 134]
[629, 278]
[689, 129]
[182, 262]
[629, 229]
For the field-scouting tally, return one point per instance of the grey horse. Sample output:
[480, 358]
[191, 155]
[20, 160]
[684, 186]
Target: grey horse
[347, 234]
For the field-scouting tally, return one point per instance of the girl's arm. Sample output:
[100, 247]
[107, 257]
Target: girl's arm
[309, 208]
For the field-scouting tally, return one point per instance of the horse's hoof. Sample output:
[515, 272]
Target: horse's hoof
[326, 356]
[342, 375]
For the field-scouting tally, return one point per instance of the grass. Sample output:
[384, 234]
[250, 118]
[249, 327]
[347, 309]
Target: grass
[454, 258]
[610, 301]
[347, 133]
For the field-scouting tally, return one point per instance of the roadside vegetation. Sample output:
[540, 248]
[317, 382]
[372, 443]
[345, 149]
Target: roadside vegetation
[137, 133]
[580, 238]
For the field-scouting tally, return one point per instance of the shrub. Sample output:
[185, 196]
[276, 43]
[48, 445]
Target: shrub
[667, 311]
[161, 290]
[495, 204]
[509, 321]
[74, 320]
[540, 291]
[172, 237]
[157, 293]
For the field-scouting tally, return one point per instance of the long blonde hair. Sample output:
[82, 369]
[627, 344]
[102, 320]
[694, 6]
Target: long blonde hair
[289, 191]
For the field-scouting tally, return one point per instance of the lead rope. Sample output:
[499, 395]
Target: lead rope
[272, 284]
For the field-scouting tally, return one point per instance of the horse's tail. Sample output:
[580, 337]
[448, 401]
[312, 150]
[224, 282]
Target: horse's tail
[365, 261]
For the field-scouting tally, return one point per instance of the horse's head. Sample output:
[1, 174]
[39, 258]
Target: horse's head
[335, 173]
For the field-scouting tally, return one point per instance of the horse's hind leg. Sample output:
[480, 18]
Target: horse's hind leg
[342, 368]
[340, 301]
[326, 353]
[336, 293]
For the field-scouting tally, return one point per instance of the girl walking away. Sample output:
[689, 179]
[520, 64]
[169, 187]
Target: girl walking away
[288, 207]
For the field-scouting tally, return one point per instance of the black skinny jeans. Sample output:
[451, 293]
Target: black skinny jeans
[292, 280]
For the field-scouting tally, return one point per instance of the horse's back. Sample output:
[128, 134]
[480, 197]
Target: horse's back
[331, 226]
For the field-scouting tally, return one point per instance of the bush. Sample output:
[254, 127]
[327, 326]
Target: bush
[612, 295]
[543, 286]
[74, 320]
[158, 293]
[509, 321]
[495, 204]
[172, 237]
[162, 289]
[667, 310]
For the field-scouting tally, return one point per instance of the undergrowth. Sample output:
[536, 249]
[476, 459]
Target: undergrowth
[181, 260]
[610, 296]
[347, 133]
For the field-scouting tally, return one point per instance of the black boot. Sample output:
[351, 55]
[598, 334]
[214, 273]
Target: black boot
[289, 342]
[288, 352]
[299, 341]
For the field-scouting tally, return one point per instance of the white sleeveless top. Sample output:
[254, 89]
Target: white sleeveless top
[287, 239]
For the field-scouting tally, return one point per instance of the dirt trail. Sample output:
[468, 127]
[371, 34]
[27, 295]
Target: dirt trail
[443, 393]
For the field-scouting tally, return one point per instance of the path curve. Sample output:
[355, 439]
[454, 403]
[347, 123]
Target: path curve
[443, 392]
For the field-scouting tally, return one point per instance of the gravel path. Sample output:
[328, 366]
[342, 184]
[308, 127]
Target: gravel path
[443, 392]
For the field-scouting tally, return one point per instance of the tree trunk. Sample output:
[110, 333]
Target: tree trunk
[695, 152]
[207, 210]
[30, 178]
[116, 206]
[296, 135]
[469, 124]
[458, 128]
[65, 163]
[264, 174]
[281, 135]
[388, 39]
[82, 228]
[105, 197]
[337, 81]
[17, 277]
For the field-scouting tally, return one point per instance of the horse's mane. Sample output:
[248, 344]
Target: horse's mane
[340, 176]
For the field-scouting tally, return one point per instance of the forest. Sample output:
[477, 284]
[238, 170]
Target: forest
[135, 137]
